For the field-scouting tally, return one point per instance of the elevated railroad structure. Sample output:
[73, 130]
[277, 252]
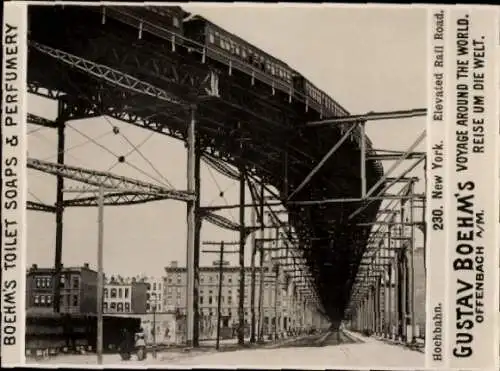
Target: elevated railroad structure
[133, 65]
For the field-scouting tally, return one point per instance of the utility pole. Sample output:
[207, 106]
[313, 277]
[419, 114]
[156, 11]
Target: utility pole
[100, 281]
[221, 253]
[101, 190]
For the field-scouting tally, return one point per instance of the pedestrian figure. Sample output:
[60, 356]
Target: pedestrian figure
[140, 345]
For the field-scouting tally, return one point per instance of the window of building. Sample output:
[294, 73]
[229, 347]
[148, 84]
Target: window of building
[148, 307]
[210, 279]
[42, 299]
[113, 306]
[105, 307]
[148, 296]
[113, 293]
[119, 307]
[120, 292]
[230, 279]
[76, 282]
[229, 299]
[49, 299]
[105, 293]
[154, 286]
[75, 300]
[178, 301]
[211, 38]
[201, 299]
[126, 293]
[175, 21]
[169, 280]
[178, 280]
[63, 280]
[169, 290]
[37, 299]
[148, 285]
[127, 307]
[210, 300]
[159, 286]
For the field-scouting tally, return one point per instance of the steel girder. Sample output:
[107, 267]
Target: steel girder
[38, 206]
[108, 180]
[106, 73]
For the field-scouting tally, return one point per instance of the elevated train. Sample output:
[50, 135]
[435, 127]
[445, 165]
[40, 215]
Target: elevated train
[223, 48]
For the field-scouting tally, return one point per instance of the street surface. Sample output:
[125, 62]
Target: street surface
[325, 351]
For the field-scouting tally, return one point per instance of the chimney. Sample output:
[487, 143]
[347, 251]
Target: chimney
[34, 266]
[86, 265]
[173, 264]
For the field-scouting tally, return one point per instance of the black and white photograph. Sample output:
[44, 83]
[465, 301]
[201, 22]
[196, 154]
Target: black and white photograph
[226, 186]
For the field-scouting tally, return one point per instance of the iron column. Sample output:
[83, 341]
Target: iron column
[252, 287]
[241, 298]
[191, 228]
[59, 207]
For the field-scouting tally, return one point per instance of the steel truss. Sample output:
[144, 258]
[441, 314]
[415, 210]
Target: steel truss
[109, 180]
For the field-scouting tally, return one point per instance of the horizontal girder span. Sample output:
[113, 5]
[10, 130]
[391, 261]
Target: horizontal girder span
[107, 180]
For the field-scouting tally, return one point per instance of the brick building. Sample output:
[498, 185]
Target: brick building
[124, 295]
[78, 290]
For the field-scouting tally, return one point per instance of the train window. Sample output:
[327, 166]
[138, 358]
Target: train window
[243, 53]
[222, 43]
[238, 50]
[212, 38]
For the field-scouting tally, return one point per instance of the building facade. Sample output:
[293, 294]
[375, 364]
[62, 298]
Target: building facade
[154, 294]
[281, 301]
[124, 295]
[78, 290]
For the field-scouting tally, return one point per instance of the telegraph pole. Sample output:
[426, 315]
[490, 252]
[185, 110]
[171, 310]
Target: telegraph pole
[221, 253]
[100, 281]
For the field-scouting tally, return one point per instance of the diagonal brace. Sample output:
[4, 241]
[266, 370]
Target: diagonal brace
[322, 162]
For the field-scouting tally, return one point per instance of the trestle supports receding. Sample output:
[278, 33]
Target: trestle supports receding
[385, 298]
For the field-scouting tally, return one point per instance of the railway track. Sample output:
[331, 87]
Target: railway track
[322, 340]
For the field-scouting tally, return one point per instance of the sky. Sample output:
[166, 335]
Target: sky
[368, 59]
